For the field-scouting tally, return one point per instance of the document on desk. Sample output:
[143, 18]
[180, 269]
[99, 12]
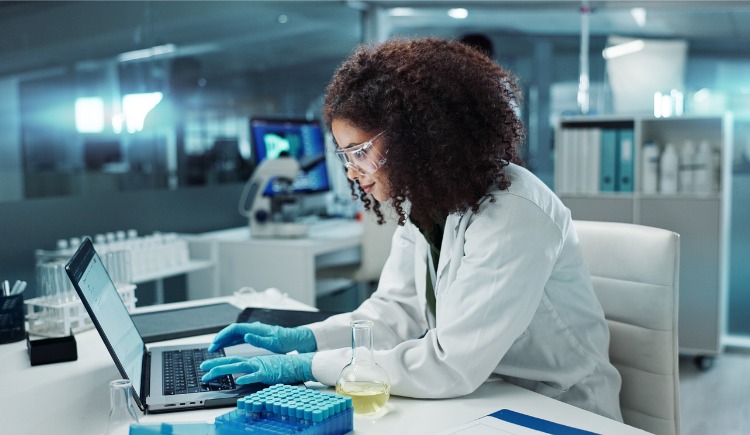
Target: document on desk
[507, 422]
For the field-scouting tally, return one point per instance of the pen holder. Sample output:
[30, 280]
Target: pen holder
[12, 326]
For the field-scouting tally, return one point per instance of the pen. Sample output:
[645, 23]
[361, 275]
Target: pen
[18, 288]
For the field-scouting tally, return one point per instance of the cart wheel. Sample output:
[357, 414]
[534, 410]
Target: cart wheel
[704, 363]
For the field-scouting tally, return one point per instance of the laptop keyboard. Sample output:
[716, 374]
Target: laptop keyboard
[182, 373]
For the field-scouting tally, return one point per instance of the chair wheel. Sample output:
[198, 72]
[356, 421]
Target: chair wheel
[704, 363]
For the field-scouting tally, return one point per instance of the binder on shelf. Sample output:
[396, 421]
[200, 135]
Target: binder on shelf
[567, 154]
[592, 159]
[608, 178]
[579, 162]
[571, 170]
[561, 157]
[625, 156]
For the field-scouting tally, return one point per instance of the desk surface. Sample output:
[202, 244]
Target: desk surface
[73, 397]
[324, 230]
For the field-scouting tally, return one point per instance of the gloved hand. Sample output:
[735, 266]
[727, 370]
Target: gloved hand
[267, 369]
[277, 339]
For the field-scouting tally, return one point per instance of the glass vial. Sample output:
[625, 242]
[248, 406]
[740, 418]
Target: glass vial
[122, 413]
[362, 379]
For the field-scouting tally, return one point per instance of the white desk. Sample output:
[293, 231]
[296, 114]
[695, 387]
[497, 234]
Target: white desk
[287, 264]
[73, 397]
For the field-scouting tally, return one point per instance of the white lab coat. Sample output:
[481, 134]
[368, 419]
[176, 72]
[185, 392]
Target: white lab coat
[514, 301]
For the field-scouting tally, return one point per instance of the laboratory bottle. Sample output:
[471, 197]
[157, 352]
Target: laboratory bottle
[362, 379]
[704, 171]
[121, 413]
[650, 167]
[687, 162]
[668, 170]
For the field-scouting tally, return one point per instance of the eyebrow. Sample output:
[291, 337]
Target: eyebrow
[351, 145]
[335, 142]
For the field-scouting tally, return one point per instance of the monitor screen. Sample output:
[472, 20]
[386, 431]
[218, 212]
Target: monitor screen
[301, 139]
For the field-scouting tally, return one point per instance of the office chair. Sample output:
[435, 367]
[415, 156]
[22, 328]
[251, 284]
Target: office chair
[634, 270]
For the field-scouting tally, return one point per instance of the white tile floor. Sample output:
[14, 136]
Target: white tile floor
[717, 401]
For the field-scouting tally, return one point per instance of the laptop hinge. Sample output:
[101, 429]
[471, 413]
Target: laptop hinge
[146, 383]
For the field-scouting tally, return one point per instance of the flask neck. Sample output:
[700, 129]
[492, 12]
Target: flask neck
[119, 398]
[362, 341]
[121, 413]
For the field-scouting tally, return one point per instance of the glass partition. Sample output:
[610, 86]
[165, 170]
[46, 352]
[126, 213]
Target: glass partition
[118, 96]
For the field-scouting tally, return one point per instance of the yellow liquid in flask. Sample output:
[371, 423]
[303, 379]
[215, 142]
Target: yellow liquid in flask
[367, 397]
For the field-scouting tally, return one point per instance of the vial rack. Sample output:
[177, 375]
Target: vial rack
[51, 317]
[286, 409]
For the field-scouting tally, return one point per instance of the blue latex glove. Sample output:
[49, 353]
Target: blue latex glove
[277, 339]
[267, 369]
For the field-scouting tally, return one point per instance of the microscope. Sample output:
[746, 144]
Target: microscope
[268, 214]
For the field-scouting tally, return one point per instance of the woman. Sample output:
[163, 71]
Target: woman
[485, 277]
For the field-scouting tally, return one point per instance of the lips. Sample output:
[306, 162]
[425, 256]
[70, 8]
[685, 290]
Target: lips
[368, 187]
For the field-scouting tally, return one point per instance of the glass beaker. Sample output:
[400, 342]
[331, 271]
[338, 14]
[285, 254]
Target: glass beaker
[362, 379]
[121, 413]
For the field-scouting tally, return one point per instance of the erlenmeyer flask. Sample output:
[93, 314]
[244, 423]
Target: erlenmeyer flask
[362, 379]
[121, 413]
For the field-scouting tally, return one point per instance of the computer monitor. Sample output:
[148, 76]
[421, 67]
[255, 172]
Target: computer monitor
[301, 139]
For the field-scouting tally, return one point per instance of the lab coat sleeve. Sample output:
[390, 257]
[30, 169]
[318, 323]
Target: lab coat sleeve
[506, 257]
[393, 308]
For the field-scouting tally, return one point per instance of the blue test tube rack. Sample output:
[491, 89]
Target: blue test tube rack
[286, 409]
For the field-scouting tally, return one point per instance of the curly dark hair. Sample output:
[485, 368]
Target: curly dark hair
[448, 113]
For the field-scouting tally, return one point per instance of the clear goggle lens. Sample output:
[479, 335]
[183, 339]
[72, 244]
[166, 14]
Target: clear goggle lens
[363, 158]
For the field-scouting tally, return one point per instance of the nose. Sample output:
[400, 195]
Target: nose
[352, 173]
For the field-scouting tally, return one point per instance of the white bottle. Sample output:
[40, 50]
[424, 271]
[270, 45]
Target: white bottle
[668, 170]
[650, 167]
[687, 162]
[704, 168]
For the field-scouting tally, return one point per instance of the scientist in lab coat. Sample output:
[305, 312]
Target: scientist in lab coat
[485, 278]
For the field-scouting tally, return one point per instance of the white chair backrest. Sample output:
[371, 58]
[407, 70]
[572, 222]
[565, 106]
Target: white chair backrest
[635, 273]
[376, 244]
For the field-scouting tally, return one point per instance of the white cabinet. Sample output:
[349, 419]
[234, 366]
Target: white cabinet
[701, 219]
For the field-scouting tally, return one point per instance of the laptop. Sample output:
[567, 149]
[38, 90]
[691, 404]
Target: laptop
[165, 378]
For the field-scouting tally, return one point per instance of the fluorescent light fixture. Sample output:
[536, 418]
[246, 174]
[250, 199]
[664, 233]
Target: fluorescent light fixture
[458, 13]
[135, 107]
[639, 15]
[118, 121]
[89, 115]
[623, 49]
[146, 53]
[401, 12]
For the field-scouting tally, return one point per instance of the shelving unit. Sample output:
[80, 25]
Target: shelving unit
[159, 276]
[701, 219]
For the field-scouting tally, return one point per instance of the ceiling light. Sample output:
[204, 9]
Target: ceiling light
[458, 13]
[89, 114]
[282, 19]
[623, 49]
[639, 15]
[146, 53]
[401, 12]
[135, 107]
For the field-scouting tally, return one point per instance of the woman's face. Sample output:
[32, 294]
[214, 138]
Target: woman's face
[370, 157]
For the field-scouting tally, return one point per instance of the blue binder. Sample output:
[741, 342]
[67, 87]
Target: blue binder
[608, 155]
[538, 424]
[625, 156]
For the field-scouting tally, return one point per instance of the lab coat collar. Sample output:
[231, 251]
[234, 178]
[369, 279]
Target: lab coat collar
[449, 238]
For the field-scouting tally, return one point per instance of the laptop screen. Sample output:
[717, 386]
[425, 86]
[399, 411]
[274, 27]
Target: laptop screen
[109, 311]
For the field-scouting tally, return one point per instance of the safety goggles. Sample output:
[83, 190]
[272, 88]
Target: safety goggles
[363, 158]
